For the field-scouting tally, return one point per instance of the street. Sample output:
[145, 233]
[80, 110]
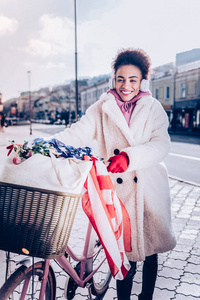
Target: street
[183, 160]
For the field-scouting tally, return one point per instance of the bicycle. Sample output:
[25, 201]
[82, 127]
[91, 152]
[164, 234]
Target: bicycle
[36, 279]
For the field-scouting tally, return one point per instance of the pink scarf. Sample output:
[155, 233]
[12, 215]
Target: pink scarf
[127, 107]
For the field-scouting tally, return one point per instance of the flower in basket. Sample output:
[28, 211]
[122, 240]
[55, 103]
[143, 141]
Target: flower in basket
[26, 150]
[44, 147]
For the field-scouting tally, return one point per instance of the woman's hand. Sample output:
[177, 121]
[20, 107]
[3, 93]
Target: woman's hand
[118, 163]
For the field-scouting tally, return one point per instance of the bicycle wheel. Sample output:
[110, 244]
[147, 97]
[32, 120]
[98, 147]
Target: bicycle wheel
[12, 288]
[101, 279]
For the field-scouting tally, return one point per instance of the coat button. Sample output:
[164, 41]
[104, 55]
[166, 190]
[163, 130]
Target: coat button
[119, 180]
[135, 179]
[116, 151]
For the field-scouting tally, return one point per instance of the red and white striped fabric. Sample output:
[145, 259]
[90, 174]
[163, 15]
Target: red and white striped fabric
[108, 217]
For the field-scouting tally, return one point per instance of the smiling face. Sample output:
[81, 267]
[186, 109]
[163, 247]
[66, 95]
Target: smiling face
[127, 81]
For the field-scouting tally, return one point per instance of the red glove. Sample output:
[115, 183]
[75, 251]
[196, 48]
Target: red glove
[118, 163]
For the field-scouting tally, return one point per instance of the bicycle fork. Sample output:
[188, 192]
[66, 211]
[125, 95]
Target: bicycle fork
[43, 279]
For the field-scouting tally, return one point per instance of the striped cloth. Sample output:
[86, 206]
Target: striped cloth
[109, 218]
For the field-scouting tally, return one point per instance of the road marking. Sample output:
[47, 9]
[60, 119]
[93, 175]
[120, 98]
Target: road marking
[185, 156]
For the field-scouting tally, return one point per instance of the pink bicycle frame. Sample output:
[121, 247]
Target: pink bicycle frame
[88, 253]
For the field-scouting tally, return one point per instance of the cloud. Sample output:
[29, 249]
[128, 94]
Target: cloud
[7, 25]
[51, 65]
[54, 38]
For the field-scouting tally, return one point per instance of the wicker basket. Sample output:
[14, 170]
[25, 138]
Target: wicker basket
[35, 221]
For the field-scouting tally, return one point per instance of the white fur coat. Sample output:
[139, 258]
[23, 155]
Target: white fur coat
[144, 187]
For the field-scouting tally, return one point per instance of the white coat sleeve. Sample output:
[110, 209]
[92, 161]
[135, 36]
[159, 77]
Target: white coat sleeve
[81, 132]
[155, 150]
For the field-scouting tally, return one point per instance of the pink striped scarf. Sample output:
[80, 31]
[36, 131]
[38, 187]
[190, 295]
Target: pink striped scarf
[108, 217]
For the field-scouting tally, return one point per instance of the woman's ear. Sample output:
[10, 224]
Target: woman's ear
[144, 85]
[112, 83]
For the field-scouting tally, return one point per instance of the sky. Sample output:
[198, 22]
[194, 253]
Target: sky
[38, 36]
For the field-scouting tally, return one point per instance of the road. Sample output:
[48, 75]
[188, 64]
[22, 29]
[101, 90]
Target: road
[183, 161]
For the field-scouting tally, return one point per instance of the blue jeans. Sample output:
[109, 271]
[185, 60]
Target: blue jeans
[149, 274]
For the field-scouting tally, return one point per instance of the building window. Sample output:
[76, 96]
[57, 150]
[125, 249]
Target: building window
[156, 93]
[182, 90]
[89, 96]
[167, 93]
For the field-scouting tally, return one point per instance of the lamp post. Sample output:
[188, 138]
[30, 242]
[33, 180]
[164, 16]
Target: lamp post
[76, 69]
[30, 106]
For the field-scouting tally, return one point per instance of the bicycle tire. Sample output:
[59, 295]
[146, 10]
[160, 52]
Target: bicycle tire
[12, 287]
[102, 278]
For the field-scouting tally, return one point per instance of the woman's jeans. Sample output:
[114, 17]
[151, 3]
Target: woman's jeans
[149, 274]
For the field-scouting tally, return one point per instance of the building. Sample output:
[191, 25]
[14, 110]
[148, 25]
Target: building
[162, 87]
[178, 89]
[91, 94]
[187, 97]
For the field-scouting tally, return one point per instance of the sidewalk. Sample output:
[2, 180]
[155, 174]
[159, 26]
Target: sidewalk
[179, 272]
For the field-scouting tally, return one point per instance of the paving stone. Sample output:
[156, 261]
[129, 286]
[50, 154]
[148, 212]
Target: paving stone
[136, 288]
[170, 273]
[174, 263]
[195, 251]
[196, 218]
[183, 297]
[161, 259]
[191, 237]
[189, 289]
[192, 268]
[180, 222]
[194, 259]
[81, 293]
[110, 294]
[178, 255]
[182, 215]
[192, 231]
[112, 283]
[138, 277]
[184, 241]
[197, 209]
[133, 297]
[163, 294]
[61, 280]
[191, 278]
[197, 244]
[167, 283]
[183, 248]
[60, 293]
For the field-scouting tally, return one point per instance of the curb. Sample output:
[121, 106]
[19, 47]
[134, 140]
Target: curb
[184, 181]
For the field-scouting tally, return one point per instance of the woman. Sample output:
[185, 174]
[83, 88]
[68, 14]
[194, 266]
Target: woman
[130, 128]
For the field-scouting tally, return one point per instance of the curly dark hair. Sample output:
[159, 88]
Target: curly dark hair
[136, 57]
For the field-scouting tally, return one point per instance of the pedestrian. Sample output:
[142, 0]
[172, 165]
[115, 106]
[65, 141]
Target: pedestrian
[2, 121]
[131, 130]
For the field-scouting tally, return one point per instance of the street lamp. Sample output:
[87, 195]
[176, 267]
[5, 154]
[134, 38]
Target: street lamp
[30, 106]
[76, 72]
